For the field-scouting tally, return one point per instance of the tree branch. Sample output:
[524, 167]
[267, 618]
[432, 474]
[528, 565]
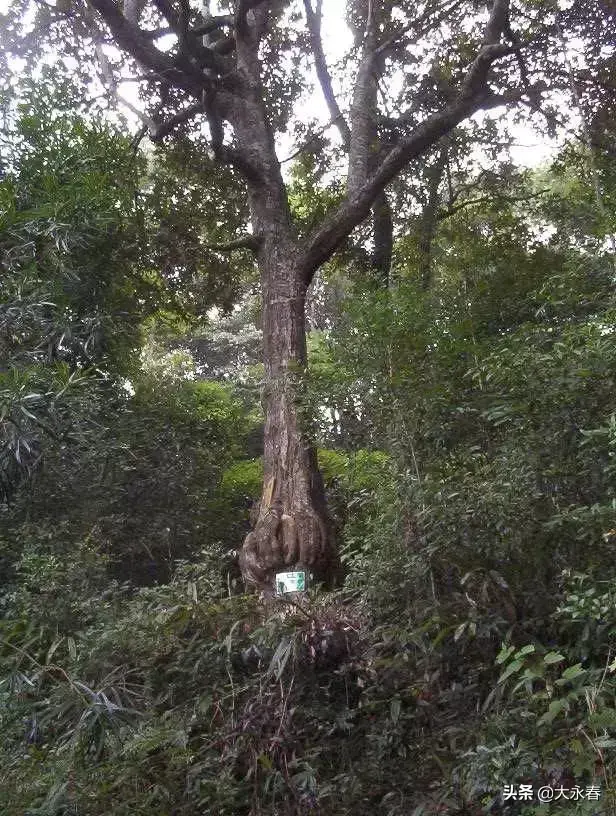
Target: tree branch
[473, 95]
[313, 19]
[497, 22]
[475, 81]
[323, 243]
[364, 147]
[136, 140]
[110, 83]
[133, 9]
[138, 44]
[163, 129]
[312, 138]
[417, 21]
[429, 217]
[213, 24]
[190, 45]
[243, 7]
[452, 210]
[157, 33]
[363, 143]
[492, 100]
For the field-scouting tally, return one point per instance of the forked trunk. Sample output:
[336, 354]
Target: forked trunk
[292, 529]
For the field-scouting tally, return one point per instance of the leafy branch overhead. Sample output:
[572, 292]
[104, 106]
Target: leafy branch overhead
[215, 65]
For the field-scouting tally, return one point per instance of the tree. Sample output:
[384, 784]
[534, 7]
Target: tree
[457, 58]
[73, 290]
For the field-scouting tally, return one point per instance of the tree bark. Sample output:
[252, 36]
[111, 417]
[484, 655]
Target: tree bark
[292, 529]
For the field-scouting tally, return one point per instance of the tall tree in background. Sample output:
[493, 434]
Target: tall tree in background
[454, 58]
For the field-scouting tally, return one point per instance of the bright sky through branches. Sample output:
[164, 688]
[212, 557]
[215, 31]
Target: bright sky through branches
[530, 147]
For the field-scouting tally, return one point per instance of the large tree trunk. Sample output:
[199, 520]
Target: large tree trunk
[292, 529]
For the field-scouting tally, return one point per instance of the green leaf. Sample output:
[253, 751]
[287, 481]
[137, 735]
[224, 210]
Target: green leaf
[531, 673]
[280, 658]
[72, 647]
[504, 654]
[513, 667]
[553, 657]
[460, 630]
[571, 673]
[555, 708]
[265, 762]
[52, 649]
[606, 718]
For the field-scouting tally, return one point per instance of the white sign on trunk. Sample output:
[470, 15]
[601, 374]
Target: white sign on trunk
[290, 582]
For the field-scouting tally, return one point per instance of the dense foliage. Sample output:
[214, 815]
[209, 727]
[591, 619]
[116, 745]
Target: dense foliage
[467, 439]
